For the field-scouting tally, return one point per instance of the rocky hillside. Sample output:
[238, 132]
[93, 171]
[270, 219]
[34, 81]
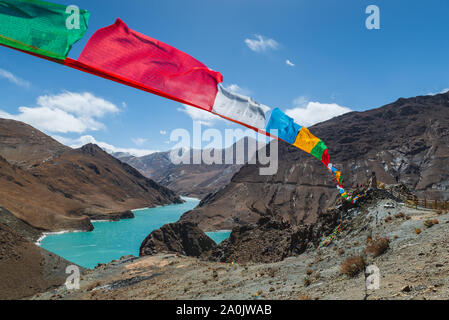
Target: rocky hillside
[196, 180]
[405, 141]
[57, 187]
[32, 201]
[26, 269]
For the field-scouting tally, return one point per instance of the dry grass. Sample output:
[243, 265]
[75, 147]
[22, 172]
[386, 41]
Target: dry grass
[353, 266]
[417, 231]
[378, 246]
[435, 221]
[304, 297]
[307, 281]
[399, 215]
[272, 272]
[341, 251]
[428, 223]
[309, 272]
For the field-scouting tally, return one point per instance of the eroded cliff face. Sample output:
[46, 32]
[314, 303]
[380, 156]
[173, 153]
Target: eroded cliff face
[406, 141]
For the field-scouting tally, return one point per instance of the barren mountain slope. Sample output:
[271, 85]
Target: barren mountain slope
[32, 201]
[54, 187]
[24, 145]
[26, 269]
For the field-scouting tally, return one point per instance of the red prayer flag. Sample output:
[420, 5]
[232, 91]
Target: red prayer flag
[120, 52]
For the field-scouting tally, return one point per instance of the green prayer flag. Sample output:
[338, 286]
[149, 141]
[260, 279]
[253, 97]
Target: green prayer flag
[41, 27]
[318, 150]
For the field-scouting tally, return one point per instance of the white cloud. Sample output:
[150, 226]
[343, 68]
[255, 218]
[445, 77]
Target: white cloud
[139, 141]
[204, 117]
[163, 132]
[65, 112]
[13, 79]
[83, 140]
[261, 43]
[235, 88]
[308, 113]
[442, 91]
[300, 101]
[289, 63]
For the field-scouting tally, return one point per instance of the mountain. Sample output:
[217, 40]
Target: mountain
[403, 142]
[54, 187]
[32, 201]
[196, 180]
[24, 145]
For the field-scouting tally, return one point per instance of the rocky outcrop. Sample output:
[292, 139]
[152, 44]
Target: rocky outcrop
[181, 237]
[270, 240]
[403, 142]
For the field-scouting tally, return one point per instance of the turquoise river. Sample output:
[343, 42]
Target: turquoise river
[111, 240]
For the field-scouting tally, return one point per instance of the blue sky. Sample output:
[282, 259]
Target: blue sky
[335, 64]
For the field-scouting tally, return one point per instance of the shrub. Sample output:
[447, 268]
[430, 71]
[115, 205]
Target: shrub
[304, 297]
[417, 231]
[389, 218]
[309, 272]
[307, 281]
[369, 239]
[435, 221]
[438, 212]
[428, 223]
[352, 266]
[378, 246]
